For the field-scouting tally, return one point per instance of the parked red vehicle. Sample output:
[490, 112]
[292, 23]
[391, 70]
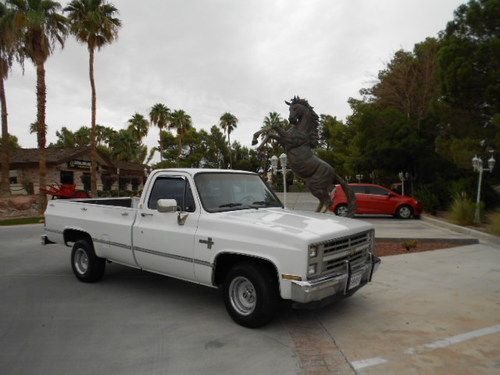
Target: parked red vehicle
[376, 199]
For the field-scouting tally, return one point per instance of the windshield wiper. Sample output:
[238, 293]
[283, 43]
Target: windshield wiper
[232, 204]
[266, 203]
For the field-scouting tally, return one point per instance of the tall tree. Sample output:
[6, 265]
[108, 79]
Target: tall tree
[41, 26]
[181, 122]
[469, 78]
[228, 123]
[9, 47]
[160, 117]
[139, 126]
[94, 23]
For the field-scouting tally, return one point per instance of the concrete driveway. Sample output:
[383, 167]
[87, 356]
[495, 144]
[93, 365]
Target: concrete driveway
[433, 312]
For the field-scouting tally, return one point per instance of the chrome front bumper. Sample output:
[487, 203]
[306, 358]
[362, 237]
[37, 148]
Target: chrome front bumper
[318, 289]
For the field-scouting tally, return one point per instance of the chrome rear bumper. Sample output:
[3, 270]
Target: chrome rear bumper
[316, 290]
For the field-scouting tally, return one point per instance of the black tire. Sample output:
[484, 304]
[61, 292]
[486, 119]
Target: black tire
[265, 286]
[95, 266]
[404, 212]
[340, 209]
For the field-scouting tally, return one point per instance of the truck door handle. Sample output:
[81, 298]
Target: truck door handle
[143, 214]
[124, 213]
[83, 209]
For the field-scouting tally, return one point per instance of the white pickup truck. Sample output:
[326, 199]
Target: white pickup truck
[219, 228]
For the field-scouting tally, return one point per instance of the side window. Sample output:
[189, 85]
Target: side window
[358, 189]
[171, 188]
[376, 190]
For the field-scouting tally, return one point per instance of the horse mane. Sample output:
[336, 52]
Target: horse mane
[312, 125]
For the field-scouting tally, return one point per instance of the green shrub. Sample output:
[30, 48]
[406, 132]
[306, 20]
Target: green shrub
[428, 198]
[494, 223]
[462, 209]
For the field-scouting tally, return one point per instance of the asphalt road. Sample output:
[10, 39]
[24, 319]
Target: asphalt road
[434, 312]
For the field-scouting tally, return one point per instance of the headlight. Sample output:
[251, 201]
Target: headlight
[313, 251]
[311, 270]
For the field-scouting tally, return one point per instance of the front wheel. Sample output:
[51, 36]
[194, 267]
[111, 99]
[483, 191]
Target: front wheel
[251, 294]
[341, 210]
[87, 266]
[404, 212]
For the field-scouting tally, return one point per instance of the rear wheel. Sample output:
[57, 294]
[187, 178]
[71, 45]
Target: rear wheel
[404, 212]
[87, 266]
[341, 210]
[251, 294]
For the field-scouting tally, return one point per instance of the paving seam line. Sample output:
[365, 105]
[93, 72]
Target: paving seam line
[437, 344]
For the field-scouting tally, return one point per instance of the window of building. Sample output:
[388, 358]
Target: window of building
[86, 181]
[67, 177]
[135, 183]
[13, 177]
[122, 183]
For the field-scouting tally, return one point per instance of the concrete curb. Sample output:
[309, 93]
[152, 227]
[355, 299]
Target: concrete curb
[481, 236]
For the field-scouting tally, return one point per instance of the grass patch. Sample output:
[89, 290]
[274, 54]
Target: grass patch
[462, 210]
[22, 220]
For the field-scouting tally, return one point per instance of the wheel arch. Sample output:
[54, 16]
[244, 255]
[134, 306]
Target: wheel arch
[76, 234]
[225, 260]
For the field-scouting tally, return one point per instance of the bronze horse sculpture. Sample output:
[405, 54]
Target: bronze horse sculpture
[298, 142]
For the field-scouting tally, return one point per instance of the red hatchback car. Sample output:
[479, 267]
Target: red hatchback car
[376, 199]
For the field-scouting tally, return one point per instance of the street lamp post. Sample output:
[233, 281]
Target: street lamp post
[283, 161]
[274, 167]
[403, 177]
[477, 165]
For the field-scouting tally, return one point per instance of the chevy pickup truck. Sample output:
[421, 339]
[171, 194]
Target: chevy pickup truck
[223, 229]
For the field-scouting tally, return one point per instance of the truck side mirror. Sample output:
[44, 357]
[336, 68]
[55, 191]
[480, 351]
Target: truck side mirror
[167, 205]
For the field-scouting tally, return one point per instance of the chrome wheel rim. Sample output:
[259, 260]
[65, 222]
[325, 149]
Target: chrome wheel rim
[242, 295]
[342, 211]
[405, 212]
[81, 261]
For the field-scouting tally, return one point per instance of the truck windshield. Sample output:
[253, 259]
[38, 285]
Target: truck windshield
[233, 191]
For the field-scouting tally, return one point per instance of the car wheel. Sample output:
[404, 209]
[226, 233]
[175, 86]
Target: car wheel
[87, 266]
[251, 294]
[404, 212]
[341, 210]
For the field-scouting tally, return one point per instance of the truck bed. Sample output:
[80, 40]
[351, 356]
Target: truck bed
[117, 202]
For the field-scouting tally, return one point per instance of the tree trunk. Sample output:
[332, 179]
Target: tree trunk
[159, 147]
[93, 151]
[5, 182]
[41, 93]
[179, 135]
[229, 149]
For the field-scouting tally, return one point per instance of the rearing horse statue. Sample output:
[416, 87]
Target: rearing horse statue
[298, 142]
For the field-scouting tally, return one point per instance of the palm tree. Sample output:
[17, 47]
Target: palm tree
[9, 47]
[93, 22]
[139, 126]
[228, 123]
[180, 121]
[40, 25]
[160, 116]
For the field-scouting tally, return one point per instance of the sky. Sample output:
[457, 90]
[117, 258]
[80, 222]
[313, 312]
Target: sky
[214, 56]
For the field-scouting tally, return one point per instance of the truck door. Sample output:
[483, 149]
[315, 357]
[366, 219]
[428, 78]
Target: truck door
[162, 243]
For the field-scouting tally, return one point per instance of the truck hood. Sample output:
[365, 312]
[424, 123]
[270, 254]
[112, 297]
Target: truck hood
[306, 225]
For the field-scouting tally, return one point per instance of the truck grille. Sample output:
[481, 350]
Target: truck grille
[333, 254]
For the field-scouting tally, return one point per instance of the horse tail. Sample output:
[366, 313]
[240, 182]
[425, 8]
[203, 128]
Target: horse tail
[351, 198]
